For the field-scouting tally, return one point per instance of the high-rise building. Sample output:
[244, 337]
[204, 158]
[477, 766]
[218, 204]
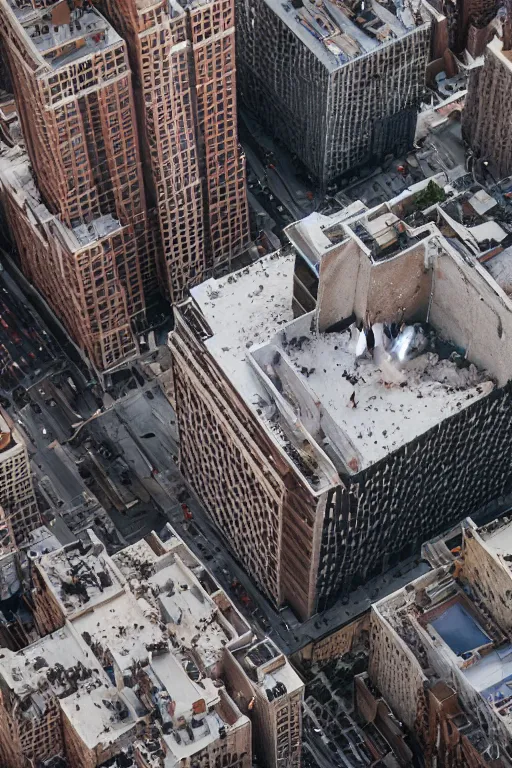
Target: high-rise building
[82, 228]
[19, 511]
[183, 61]
[488, 109]
[339, 83]
[323, 464]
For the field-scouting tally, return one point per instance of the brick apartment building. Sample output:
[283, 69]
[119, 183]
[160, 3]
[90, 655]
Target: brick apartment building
[320, 470]
[487, 111]
[78, 215]
[144, 663]
[182, 56]
[77, 205]
[441, 653]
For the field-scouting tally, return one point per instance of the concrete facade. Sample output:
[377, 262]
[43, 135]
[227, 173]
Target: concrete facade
[334, 97]
[316, 496]
[487, 112]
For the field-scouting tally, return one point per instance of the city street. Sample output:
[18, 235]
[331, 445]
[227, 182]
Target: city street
[273, 178]
[138, 432]
[27, 351]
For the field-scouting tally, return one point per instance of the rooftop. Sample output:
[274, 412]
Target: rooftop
[15, 172]
[441, 156]
[99, 716]
[500, 267]
[154, 652]
[81, 576]
[41, 541]
[60, 35]
[258, 301]
[331, 406]
[58, 663]
[179, 589]
[448, 623]
[137, 561]
[268, 668]
[377, 418]
[190, 613]
[123, 627]
[498, 538]
[337, 31]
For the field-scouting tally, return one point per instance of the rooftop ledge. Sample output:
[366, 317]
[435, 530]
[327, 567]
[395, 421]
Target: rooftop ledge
[338, 31]
[60, 35]
[334, 413]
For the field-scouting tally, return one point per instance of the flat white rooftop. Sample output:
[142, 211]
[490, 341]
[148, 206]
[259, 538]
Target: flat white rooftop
[183, 690]
[253, 308]
[190, 613]
[203, 706]
[268, 667]
[384, 418]
[99, 716]
[41, 541]
[136, 561]
[244, 310]
[122, 627]
[31, 669]
[80, 578]
[492, 669]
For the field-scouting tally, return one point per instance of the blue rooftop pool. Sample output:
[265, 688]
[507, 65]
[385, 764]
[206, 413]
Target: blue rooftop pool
[459, 630]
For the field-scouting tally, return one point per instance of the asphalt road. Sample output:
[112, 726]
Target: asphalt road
[27, 351]
[277, 182]
[46, 461]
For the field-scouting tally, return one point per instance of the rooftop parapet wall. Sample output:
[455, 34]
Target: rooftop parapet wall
[298, 366]
[378, 511]
[427, 281]
[486, 568]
